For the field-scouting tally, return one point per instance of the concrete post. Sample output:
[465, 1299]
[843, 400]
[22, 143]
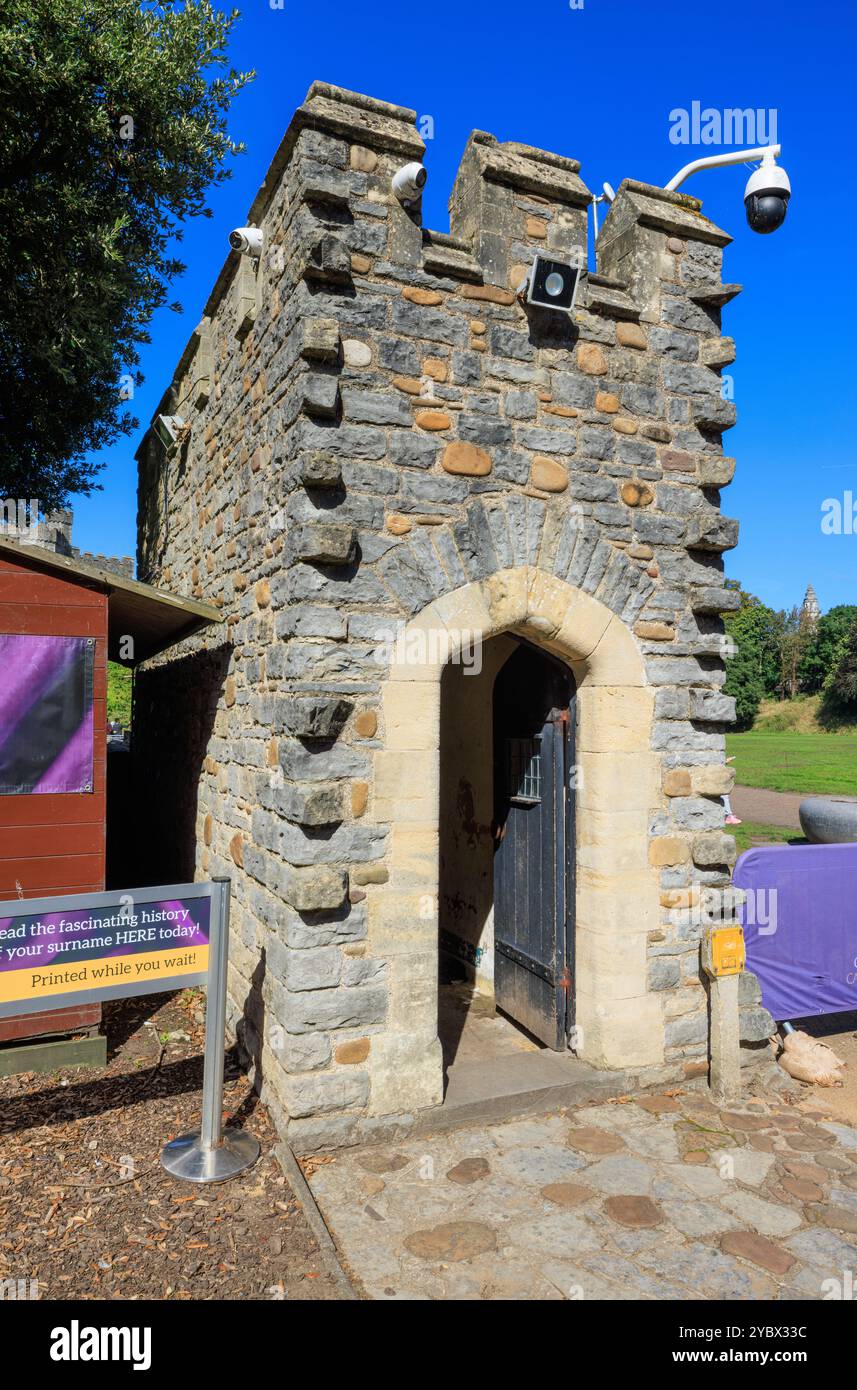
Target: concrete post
[724, 1033]
[724, 1045]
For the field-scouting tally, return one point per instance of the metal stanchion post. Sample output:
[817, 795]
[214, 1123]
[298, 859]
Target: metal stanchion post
[211, 1155]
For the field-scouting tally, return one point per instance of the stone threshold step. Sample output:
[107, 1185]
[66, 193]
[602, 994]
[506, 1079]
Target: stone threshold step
[505, 1087]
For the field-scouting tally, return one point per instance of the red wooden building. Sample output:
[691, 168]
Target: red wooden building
[53, 785]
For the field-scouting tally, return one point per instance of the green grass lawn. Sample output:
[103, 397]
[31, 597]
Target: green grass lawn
[750, 833]
[811, 763]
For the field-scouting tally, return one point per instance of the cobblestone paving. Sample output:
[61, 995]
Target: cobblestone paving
[657, 1197]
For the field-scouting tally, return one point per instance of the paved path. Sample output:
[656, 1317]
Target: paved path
[661, 1197]
[767, 807]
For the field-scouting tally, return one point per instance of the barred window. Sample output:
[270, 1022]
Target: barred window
[524, 769]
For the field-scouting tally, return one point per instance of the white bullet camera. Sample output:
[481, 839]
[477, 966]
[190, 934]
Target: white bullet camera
[766, 196]
[409, 182]
[247, 240]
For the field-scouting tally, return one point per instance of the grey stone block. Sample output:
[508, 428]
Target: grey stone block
[320, 1010]
[321, 395]
[324, 542]
[319, 1095]
[714, 848]
[320, 470]
[326, 257]
[316, 888]
[314, 717]
[320, 340]
[315, 968]
[664, 973]
[712, 706]
[755, 1024]
[316, 803]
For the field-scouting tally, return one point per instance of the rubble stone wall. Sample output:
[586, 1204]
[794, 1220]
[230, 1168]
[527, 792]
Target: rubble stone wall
[378, 429]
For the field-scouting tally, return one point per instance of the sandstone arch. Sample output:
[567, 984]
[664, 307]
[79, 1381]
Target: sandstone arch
[617, 891]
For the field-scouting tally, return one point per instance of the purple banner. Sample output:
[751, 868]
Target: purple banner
[46, 714]
[800, 926]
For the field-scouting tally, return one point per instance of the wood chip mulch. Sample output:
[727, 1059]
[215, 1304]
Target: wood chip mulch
[87, 1210]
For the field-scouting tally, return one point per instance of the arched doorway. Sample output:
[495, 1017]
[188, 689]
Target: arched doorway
[436, 736]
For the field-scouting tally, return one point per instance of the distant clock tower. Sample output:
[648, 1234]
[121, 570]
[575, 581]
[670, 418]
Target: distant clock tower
[810, 611]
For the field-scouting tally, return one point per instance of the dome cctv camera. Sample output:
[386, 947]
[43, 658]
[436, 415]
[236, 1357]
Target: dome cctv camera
[409, 182]
[766, 196]
[247, 240]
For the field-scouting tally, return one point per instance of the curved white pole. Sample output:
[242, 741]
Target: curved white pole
[712, 161]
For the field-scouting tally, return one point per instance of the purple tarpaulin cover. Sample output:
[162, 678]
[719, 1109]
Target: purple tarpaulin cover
[46, 714]
[800, 926]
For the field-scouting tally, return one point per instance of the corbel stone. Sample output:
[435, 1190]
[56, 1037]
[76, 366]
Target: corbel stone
[327, 258]
[324, 542]
[315, 717]
[711, 599]
[320, 470]
[448, 257]
[246, 306]
[713, 413]
[714, 296]
[321, 395]
[609, 298]
[315, 888]
[320, 340]
[314, 803]
[717, 352]
[715, 470]
[202, 366]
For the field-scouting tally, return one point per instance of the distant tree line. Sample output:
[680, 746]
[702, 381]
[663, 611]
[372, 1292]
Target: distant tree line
[776, 655]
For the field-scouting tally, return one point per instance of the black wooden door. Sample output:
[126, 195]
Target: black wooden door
[533, 897]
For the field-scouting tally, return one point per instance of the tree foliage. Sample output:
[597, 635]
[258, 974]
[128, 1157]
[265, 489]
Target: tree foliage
[825, 647]
[114, 126]
[842, 688]
[793, 643]
[774, 654]
[753, 670]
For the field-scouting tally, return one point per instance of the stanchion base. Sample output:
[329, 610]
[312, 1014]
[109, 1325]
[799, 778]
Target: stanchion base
[186, 1158]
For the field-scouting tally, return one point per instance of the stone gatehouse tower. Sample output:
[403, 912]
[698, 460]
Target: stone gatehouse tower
[396, 473]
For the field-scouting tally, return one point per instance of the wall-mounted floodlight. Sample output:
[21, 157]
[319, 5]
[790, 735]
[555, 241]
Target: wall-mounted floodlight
[766, 197]
[551, 284]
[169, 431]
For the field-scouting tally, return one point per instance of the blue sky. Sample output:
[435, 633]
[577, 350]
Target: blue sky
[598, 82]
